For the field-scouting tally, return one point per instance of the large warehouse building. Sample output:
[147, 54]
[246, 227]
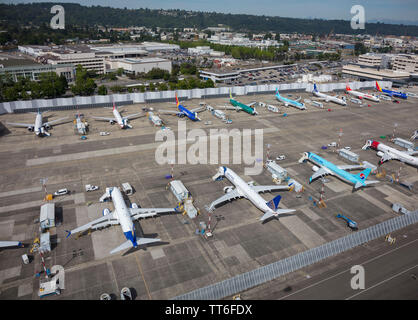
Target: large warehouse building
[134, 66]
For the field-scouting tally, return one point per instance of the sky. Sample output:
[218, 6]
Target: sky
[395, 11]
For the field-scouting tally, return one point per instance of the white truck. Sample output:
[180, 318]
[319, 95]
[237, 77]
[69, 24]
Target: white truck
[127, 188]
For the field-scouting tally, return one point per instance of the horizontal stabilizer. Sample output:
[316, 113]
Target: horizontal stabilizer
[128, 244]
[364, 183]
[270, 214]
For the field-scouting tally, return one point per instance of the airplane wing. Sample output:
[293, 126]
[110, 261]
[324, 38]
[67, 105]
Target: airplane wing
[103, 119]
[26, 125]
[135, 115]
[227, 197]
[199, 109]
[228, 108]
[128, 244]
[350, 167]
[173, 112]
[55, 121]
[259, 189]
[5, 244]
[138, 213]
[101, 222]
[320, 173]
[412, 153]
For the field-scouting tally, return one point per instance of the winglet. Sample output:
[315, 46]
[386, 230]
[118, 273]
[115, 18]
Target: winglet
[68, 234]
[230, 94]
[114, 106]
[347, 87]
[315, 88]
[277, 92]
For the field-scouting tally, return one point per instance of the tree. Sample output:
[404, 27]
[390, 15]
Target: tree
[102, 90]
[84, 86]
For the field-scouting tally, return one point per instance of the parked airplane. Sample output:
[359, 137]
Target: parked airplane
[239, 106]
[184, 112]
[391, 93]
[122, 121]
[124, 216]
[388, 153]
[361, 95]
[328, 98]
[156, 120]
[288, 102]
[323, 167]
[39, 127]
[6, 244]
[81, 126]
[249, 191]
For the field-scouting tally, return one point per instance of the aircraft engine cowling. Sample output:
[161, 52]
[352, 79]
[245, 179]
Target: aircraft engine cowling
[30, 129]
[315, 168]
[134, 206]
[105, 212]
[228, 189]
[47, 126]
[112, 122]
[380, 153]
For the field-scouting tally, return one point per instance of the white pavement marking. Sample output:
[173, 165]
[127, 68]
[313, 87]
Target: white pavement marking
[381, 282]
[21, 191]
[310, 214]
[9, 273]
[374, 201]
[117, 151]
[348, 270]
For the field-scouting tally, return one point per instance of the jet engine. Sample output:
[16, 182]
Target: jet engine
[112, 122]
[47, 126]
[105, 212]
[31, 129]
[228, 189]
[315, 168]
[380, 153]
[134, 206]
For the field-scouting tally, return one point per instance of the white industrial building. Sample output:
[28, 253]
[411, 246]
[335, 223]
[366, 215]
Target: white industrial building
[32, 72]
[205, 50]
[134, 66]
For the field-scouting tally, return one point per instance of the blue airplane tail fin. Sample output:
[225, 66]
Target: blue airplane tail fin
[277, 92]
[274, 203]
[315, 88]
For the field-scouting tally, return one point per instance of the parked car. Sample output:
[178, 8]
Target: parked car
[90, 187]
[60, 192]
[281, 157]
[332, 144]
[104, 133]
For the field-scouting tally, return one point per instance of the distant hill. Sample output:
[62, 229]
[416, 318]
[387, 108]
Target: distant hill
[76, 14]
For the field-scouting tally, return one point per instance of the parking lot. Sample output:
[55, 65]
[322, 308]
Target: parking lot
[184, 261]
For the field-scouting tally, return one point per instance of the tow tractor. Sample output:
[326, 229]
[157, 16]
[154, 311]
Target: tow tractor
[350, 223]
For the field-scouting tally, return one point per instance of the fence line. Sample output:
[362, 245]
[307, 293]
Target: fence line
[279, 268]
[161, 96]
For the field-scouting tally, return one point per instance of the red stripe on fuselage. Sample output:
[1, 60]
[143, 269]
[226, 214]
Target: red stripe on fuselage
[375, 144]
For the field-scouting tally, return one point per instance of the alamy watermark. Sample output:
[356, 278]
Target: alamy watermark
[199, 153]
[358, 281]
[358, 21]
[58, 21]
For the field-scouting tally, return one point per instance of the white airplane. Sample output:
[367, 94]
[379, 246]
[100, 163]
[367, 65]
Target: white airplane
[248, 190]
[5, 244]
[125, 217]
[156, 120]
[388, 153]
[39, 127]
[329, 98]
[122, 121]
[361, 95]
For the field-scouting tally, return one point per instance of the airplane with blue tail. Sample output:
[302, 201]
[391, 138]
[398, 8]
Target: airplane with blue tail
[184, 112]
[323, 167]
[391, 93]
[289, 102]
[123, 216]
[250, 191]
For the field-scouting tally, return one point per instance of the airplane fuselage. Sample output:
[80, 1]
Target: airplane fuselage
[119, 119]
[191, 115]
[330, 98]
[122, 213]
[38, 128]
[290, 102]
[245, 190]
[362, 95]
[242, 106]
[342, 174]
[394, 153]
